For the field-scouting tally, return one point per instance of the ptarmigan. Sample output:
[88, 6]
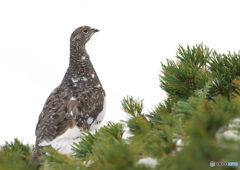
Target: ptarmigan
[76, 105]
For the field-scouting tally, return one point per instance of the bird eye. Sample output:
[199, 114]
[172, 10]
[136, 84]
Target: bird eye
[85, 31]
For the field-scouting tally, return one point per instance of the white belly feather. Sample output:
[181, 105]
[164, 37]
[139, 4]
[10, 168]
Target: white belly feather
[64, 143]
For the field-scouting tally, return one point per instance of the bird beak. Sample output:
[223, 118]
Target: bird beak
[94, 30]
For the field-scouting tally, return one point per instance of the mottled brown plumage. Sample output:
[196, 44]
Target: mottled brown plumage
[77, 104]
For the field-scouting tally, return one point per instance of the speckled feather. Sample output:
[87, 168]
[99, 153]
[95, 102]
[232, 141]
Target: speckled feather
[77, 102]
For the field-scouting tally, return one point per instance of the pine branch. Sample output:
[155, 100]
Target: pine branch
[55, 160]
[197, 55]
[16, 155]
[109, 134]
[138, 122]
[225, 69]
[181, 80]
[131, 106]
[161, 111]
[83, 150]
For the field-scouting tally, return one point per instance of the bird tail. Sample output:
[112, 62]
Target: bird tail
[37, 154]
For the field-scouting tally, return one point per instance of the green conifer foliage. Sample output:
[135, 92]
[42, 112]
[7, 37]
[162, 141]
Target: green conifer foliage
[109, 134]
[185, 131]
[180, 79]
[203, 145]
[16, 155]
[224, 69]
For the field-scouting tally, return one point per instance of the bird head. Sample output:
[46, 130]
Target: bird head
[82, 34]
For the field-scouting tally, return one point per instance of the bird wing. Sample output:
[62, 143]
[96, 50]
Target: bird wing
[62, 111]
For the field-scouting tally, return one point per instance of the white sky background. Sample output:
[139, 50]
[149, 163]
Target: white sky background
[135, 36]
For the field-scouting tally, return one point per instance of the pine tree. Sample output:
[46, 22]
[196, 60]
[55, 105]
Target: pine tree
[185, 131]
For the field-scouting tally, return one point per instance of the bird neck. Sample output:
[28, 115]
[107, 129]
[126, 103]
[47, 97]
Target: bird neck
[80, 72]
[78, 53]
[79, 59]
[80, 66]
